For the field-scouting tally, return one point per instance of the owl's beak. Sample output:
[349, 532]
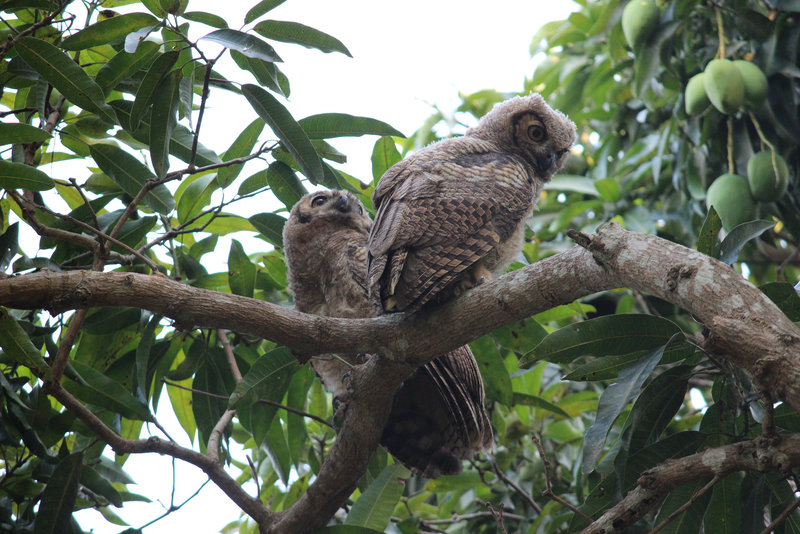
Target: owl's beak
[342, 204]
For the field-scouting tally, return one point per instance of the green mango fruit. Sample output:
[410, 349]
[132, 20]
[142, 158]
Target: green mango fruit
[755, 84]
[765, 185]
[639, 19]
[730, 196]
[724, 85]
[696, 98]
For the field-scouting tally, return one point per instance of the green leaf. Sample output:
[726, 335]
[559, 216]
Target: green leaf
[737, 238]
[278, 451]
[9, 245]
[265, 375]
[724, 512]
[194, 194]
[143, 356]
[525, 399]
[15, 133]
[155, 7]
[270, 226]
[242, 146]
[212, 376]
[608, 189]
[572, 184]
[294, 32]
[265, 72]
[327, 125]
[612, 401]
[247, 44]
[124, 65]
[20, 176]
[131, 176]
[149, 85]
[111, 319]
[384, 155]
[708, 240]
[260, 8]
[163, 121]
[59, 496]
[493, 371]
[241, 271]
[785, 296]
[209, 19]
[107, 31]
[692, 518]
[288, 131]
[602, 336]
[64, 74]
[18, 346]
[93, 387]
[285, 184]
[376, 505]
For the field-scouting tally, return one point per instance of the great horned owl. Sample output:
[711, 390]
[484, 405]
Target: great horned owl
[437, 417]
[453, 214]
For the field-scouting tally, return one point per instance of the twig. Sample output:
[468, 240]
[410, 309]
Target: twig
[175, 508]
[215, 437]
[525, 495]
[497, 514]
[201, 112]
[685, 506]
[548, 492]
[782, 517]
[226, 346]
[455, 518]
[62, 356]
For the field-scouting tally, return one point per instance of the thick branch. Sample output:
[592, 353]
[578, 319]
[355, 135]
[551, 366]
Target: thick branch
[756, 455]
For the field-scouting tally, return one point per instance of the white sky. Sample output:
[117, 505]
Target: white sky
[405, 55]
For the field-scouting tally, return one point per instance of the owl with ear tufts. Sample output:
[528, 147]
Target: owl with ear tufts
[453, 214]
[437, 417]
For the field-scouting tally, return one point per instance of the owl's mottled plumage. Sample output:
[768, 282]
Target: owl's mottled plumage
[452, 215]
[437, 417]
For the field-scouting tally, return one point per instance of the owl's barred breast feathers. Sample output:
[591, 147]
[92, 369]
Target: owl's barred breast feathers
[452, 214]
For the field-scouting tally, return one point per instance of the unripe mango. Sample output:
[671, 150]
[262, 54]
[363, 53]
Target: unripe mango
[724, 85]
[755, 83]
[696, 99]
[639, 19]
[765, 185]
[730, 196]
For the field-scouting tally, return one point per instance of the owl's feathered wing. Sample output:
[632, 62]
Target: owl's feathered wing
[437, 220]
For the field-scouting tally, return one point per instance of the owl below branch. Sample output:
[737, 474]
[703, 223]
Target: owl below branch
[453, 214]
[437, 418]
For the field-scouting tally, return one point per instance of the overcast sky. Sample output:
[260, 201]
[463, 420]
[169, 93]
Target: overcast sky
[405, 55]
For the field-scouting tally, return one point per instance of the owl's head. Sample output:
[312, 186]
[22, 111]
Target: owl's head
[323, 211]
[528, 126]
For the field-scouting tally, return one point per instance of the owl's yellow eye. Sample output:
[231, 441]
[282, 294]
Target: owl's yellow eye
[536, 132]
[318, 201]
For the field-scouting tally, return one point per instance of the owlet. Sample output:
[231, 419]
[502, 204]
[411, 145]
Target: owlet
[437, 417]
[453, 214]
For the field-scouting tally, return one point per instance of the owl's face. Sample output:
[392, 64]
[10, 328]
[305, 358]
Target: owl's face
[340, 208]
[530, 127]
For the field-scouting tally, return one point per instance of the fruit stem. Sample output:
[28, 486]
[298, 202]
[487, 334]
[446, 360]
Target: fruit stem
[769, 145]
[731, 169]
[721, 33]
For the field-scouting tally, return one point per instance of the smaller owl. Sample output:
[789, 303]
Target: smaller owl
[453, 214]
[437, 417]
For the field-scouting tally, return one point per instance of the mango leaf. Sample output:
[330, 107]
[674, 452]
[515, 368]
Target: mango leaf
[194, 194]
[270, 226]
[100, 485]
[260, 8]
[284, 183]
[294, 32]
[724, 512]
[269, 371]
[785, 296]
[572, 184]
[148, 86]
[493, 371]
[738, 237]
[21, 176]
[131, 176]
[327, 125]
[278, 451]
[59, 496]
[15, 133]
[163, 121]
[613, 400]
[384, 155]
[64, 74]
[18, 346]
[212, 376]
[242, 146]
[288, 131]
[209, 19]
[123, 65]
[9, 244]
[109, 320]
[708, 240]
[676, 445]
[108, 30]
[241, 271]
[689, 520]
[525, 399]
[376, 505]
[93, 387]
[247, 44]
[602, 336]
